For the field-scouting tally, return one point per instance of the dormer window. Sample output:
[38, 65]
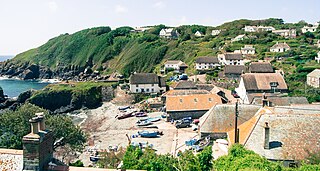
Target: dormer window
[274, 86]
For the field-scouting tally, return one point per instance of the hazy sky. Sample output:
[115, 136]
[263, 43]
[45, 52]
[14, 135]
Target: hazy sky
[26, 24]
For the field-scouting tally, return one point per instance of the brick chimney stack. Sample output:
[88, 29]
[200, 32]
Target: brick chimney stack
[266, 136]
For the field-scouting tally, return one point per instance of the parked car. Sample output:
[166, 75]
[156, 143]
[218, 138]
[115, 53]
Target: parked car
[183, 123]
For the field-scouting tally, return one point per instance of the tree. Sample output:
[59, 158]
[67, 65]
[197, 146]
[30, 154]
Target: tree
[15, 124]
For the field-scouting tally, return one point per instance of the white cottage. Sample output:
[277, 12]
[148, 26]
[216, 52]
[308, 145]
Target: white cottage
[215, 32]
[198, 34]
[317, 58]
[176, 65]
[169, 33]
[289, 33]
[239, 38]
[207, 63]
[250, 28]
[231, 59]
[248, 50]
[280, 47]
[313, 78]
[147, 83]
[309, 29]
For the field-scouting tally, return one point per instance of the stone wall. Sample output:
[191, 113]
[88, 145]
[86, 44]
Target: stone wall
[182, 114]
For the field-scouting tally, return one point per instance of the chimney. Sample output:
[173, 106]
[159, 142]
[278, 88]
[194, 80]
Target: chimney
[264, 100]
[34, 125]
[42, 126]
[266, 136]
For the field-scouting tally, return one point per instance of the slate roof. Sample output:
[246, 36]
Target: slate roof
[207, 59]
[261, 81]
[220, 118]
[192, 102]
[281, 101]
[233, 56]
[260, 67]
[234, 69]
[147, 78]
[184, 85]
[293, 132]
[314, 73]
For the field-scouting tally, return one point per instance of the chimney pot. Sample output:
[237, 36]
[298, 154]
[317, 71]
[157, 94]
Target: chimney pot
[34, 126]
[41, 123]
[266, 136]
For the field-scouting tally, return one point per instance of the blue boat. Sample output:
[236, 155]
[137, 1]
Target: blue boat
[156, 119]
[147, 134]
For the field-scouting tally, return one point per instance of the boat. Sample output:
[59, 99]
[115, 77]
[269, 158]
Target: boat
[94, 158]
[124, 107]
[140, 114]
[156, 119]
[142, 144]
[144, 123]
[147, 134]
[126, 115]
[201, 144]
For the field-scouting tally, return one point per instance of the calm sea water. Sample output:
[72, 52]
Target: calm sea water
[13, 87]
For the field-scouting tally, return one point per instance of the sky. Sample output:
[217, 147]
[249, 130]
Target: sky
[27, 24]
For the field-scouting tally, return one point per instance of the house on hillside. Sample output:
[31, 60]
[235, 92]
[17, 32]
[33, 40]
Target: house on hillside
[309, 29]
[194, 105]
[176, 65]
[250, 28]
[147, 83]
[140, 29]
[313, 78]
[280, 47]
[215, 32]
[248, 50]
[317, 58]
[289, 33]
[287, 135]
[169, 33]
[198, 34]
[184, 85]
[260, 67]
[265, 28]
[234, 71]
[239, 38]
[257, 84]
[231, 59]
[317, 44]
[206, 63]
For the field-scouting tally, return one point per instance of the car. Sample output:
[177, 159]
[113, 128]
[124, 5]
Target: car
[183, 124]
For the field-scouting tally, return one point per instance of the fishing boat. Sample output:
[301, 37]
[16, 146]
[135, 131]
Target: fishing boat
[147, 134]
[140, 114]
[94, 158]
[144, 123]
[126, 115]
[156, 119]
[124, 107]
[201, 144]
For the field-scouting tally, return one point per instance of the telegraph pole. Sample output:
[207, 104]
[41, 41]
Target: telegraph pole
[236, 139]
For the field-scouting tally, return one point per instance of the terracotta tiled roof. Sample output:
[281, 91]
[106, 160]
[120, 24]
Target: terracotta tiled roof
[261, 81]
[192, 102]
[185, 92]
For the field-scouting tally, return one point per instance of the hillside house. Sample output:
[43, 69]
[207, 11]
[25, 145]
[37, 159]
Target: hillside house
[231, 59]
[260, 67]
[248, 50]
[239, 38]
[265, 28]
[317, 58]
[184, 85]
[313, 78]
[259, 83]
[169, 33]
[250, 28]
[147, 83]
[280, 47]
[287, 135]
[176, 65]
[198, 34]
[194, 105]
[309, 29]
[140, 29]
[289, 33]
[206, 63]
[215, 32]
[234, 71]
[317, 44]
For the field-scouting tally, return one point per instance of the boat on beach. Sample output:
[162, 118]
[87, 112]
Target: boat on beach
[144, 123]
[124, 107]
[148, 134]
[126, 115]
[140, 114]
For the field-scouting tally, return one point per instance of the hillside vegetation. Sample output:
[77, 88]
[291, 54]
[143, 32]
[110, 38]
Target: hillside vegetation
[123, 51]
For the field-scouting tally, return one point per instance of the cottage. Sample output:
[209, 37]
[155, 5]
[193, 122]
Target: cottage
[317, 58]
[239, 38]
[220, 119]
[234, 71]
[215, 32]
[190, 105]
[169, 33]
[265, 28]
[313, 78]
[140, 29]
[280, 134]
[198, 34]
[248, 50]
[289, 33]
[250, 28]
[176, 65]
[231, 59]
[207, 63]
[309, 29]
[260, 67]
[280, 47]
[253, 83]
[147, 83]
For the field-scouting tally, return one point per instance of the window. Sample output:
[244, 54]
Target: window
[147, 90]
[142, 90]
[137, 90]
[137, 85]
[152, 90]
[152, 85]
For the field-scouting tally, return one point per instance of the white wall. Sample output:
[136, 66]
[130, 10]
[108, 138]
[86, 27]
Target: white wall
[174, 66]
[206, 66]
[242, 93]
[152, 88]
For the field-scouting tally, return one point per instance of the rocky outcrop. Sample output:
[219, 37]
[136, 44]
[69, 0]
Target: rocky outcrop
[2, 97]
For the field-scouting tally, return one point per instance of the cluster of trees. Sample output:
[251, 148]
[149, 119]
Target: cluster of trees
[15, 124]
